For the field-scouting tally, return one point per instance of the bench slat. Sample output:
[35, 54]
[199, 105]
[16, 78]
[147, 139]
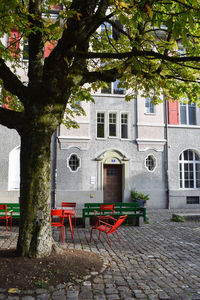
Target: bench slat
[15, 207]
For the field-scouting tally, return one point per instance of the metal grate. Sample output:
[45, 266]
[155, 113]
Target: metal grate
[192, 199]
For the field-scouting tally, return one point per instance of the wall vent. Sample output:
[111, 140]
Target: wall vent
[192, 199]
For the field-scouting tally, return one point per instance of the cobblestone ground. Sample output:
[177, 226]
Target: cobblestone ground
[159, 260]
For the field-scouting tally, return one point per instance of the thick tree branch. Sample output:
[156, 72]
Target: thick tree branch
[11, 119]
[138, 53]
[35, 43]
[11, 82]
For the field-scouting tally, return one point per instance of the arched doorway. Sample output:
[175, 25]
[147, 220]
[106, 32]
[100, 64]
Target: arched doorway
[112, 175]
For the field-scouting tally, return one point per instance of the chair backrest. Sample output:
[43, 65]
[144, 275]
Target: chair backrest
[120, 220]
[3, 207]
[109, 207]
[69, 204]
[56, 213]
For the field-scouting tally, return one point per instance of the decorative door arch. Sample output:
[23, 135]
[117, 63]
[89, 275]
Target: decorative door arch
[112, 177]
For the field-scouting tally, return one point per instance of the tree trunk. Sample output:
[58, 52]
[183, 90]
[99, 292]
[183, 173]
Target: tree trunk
[35, 235]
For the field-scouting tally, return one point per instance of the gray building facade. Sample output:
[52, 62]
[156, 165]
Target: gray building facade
[119, 146]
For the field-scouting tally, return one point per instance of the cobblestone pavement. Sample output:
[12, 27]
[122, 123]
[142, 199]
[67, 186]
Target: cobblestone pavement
[159, 260]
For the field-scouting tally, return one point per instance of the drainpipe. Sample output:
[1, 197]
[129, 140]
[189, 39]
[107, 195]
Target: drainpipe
[54, 168]
[136, 115]
[166, 153]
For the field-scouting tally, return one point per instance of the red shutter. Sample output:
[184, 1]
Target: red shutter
[174, 112]
[56, 7]
[6, 105]
[13, 42]
[48, 48]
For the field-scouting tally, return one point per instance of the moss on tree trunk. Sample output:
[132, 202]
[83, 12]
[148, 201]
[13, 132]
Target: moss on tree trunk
[35, 236]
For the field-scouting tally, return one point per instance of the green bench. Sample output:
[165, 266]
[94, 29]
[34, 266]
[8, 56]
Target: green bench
[132, 209]
[15, 208]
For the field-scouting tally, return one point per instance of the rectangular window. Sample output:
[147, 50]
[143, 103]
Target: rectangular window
[112, 124]
[192, 200]
[124, 126]
[113, 88]
[106, 89]
[192, 113]
[183, 115]
[25, 49]
[188, 114]
[149, 106]
[116, 89]
[100, 125]
[189, 175]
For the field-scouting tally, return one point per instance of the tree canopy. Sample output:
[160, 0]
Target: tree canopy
[148, 45]
[156, 50]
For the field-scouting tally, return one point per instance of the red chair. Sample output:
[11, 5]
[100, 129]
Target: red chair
[6, 215]
[105, 208]
[59, 222]
[72, 209]
[107, 228]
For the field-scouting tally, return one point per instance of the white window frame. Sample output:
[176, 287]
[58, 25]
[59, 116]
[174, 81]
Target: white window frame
[155, 162]
[100, 112]
[68, 165]
[25, 42]
[182, 163]
[117, 122]
[148, 108]
[112, 90]
[124, 113]
[187, 105]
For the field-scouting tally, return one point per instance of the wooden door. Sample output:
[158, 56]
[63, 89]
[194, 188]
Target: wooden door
[112, 184]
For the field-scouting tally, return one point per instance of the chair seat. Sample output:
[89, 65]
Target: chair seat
[107, 228]
[103, 228]
[56, 224]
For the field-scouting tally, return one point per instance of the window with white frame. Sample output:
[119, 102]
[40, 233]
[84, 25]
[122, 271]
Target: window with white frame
[113, 88]
[74, 162]
[150, 163]
[100, 125]
[149, 106]
[124, 125]
[187, 113]
[112, 32]
[112, 124]
[25, 49]
[189, 169]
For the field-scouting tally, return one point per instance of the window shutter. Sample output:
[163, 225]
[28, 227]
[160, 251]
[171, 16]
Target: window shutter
[13, 42]
[6, 105]
[173, 112]
[48, 48]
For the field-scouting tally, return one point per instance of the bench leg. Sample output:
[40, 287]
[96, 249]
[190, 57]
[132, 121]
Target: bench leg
[83, 222]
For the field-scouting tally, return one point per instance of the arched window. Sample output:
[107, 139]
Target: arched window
[189, 169]
[14, 169]
[150, 163]
[74, 162]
